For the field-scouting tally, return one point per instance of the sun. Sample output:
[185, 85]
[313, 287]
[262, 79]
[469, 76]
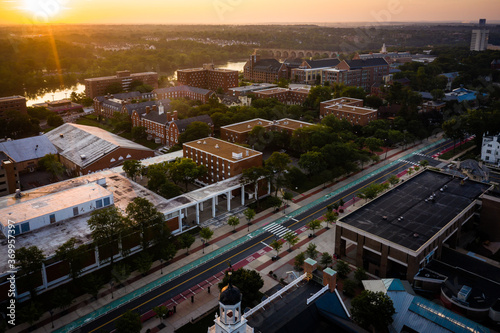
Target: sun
[42, 10]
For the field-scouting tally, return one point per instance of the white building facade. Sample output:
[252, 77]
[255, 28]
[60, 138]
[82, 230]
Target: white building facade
[490, 151]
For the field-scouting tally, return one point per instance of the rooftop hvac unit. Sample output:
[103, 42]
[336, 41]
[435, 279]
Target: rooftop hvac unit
[464, 293]
[237, 156]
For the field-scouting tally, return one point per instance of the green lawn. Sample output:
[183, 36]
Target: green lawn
[456, 151]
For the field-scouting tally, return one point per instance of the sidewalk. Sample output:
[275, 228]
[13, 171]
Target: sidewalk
[223, 235]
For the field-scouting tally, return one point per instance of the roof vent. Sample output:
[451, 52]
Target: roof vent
[61, 135]
[415, 235]
[204, 142]
[217, 146]
[83, 157]
[248, 126]
[198, 142]
[260, 122]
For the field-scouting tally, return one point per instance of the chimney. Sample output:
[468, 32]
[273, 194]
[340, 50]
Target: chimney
[148, 109]
[174, 117]
[154, 107]
[169, 116]
[310, 265]
[330, 278]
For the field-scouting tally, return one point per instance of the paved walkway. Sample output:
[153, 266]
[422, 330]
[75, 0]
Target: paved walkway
[204, 302]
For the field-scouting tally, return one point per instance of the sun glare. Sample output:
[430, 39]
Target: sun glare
[42, 10]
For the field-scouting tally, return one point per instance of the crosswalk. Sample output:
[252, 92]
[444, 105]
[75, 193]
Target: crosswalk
[278, 229]
[410, 162]
[423, 155]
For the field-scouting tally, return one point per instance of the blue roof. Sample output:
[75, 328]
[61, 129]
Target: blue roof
[394, 285]
[444, 317]
[329, 303]
[28, 148]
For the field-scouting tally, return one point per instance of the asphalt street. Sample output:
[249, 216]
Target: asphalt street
[192, 279]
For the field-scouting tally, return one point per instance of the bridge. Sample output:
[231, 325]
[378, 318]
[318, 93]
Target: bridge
[297, 53]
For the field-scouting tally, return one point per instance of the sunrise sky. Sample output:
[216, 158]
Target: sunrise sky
[244, 11]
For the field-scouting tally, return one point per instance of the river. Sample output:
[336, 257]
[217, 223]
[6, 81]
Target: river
[79, 88]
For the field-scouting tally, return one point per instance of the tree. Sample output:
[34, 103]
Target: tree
[194, 131]
[372, 310]
[146, 218]
[30, 261]
[92, 283]
[374, 144]
[370, 192]
[393, 180]
[313, 162]
[277, 245]
[277, 163]
[342, 269]
[120, 272]
[299, 261]
[424, 163]
[30, 313]
[50, 163]
[139, 132]
[62, 299]
[132, 168]
[326, 259]
[206, 234]
[317, 95]
[349, 288]
[185, 241]
[73, 255]
[249, 282]
[233, 221]
[161, 312]
[252, 175]
[129, 322]
[259, 138]
[143, 262]
[330, 218]
[54, 120]
[313, 225]
[360, 275]
[114, 88]
[291, 238]
[106, 227]
[249, 215]
[186, 170]
[311, 251]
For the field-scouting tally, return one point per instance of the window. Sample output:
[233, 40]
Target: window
[107, 201]
[25, 227]
[52, 218]
[75, 211]
[98, 203]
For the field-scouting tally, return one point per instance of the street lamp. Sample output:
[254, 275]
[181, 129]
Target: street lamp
[112, 284]
[51, 311]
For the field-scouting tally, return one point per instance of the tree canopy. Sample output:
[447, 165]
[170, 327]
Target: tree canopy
[372, 310]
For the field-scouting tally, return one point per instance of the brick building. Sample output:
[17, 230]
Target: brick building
[155, 118]
[397, 234]
[208, 77]
[198, 94]
[264, 70]
[350, 109]
[364, 72]
[85, 149]
[109, 104]
[239, 132]
[310, 71]
[9, 175]
[289, 96]
[97, 86]
[12, 103]
[177, 127]
[222, 159]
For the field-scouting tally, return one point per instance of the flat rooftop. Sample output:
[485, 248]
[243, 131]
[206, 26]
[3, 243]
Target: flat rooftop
[421, 219]
[253, 87]
[119, 77]
[28, 208]
[247, 126]
[11, 98]
[222, 149]
[464, 269]
[291, 124]
[351, 109]
[271, 91]
[342, 100]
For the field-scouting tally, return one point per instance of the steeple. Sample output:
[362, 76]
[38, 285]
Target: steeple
[384, 49]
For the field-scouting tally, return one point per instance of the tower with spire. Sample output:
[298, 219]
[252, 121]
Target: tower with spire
[384, 49]
[230, 319]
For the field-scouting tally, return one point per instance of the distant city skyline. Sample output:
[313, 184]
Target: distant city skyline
[244, 11]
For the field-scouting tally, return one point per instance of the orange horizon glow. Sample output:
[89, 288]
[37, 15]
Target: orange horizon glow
[243, 11]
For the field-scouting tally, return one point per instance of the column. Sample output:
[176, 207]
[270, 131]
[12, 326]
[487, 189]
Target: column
[44, 276]
[213, 206]
[96, 251]
[228, 195]
[359, 251]
[243, 194]
[201, 206]
[180, 220]
[384, 260]
[197, 213]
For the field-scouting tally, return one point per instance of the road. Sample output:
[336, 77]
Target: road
[202, 273]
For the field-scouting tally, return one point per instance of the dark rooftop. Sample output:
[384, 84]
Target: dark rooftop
[182, 124]
[463, 269]
[421, 219]
[359, 63]
[320, 63]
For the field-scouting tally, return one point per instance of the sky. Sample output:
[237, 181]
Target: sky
[243, 11]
